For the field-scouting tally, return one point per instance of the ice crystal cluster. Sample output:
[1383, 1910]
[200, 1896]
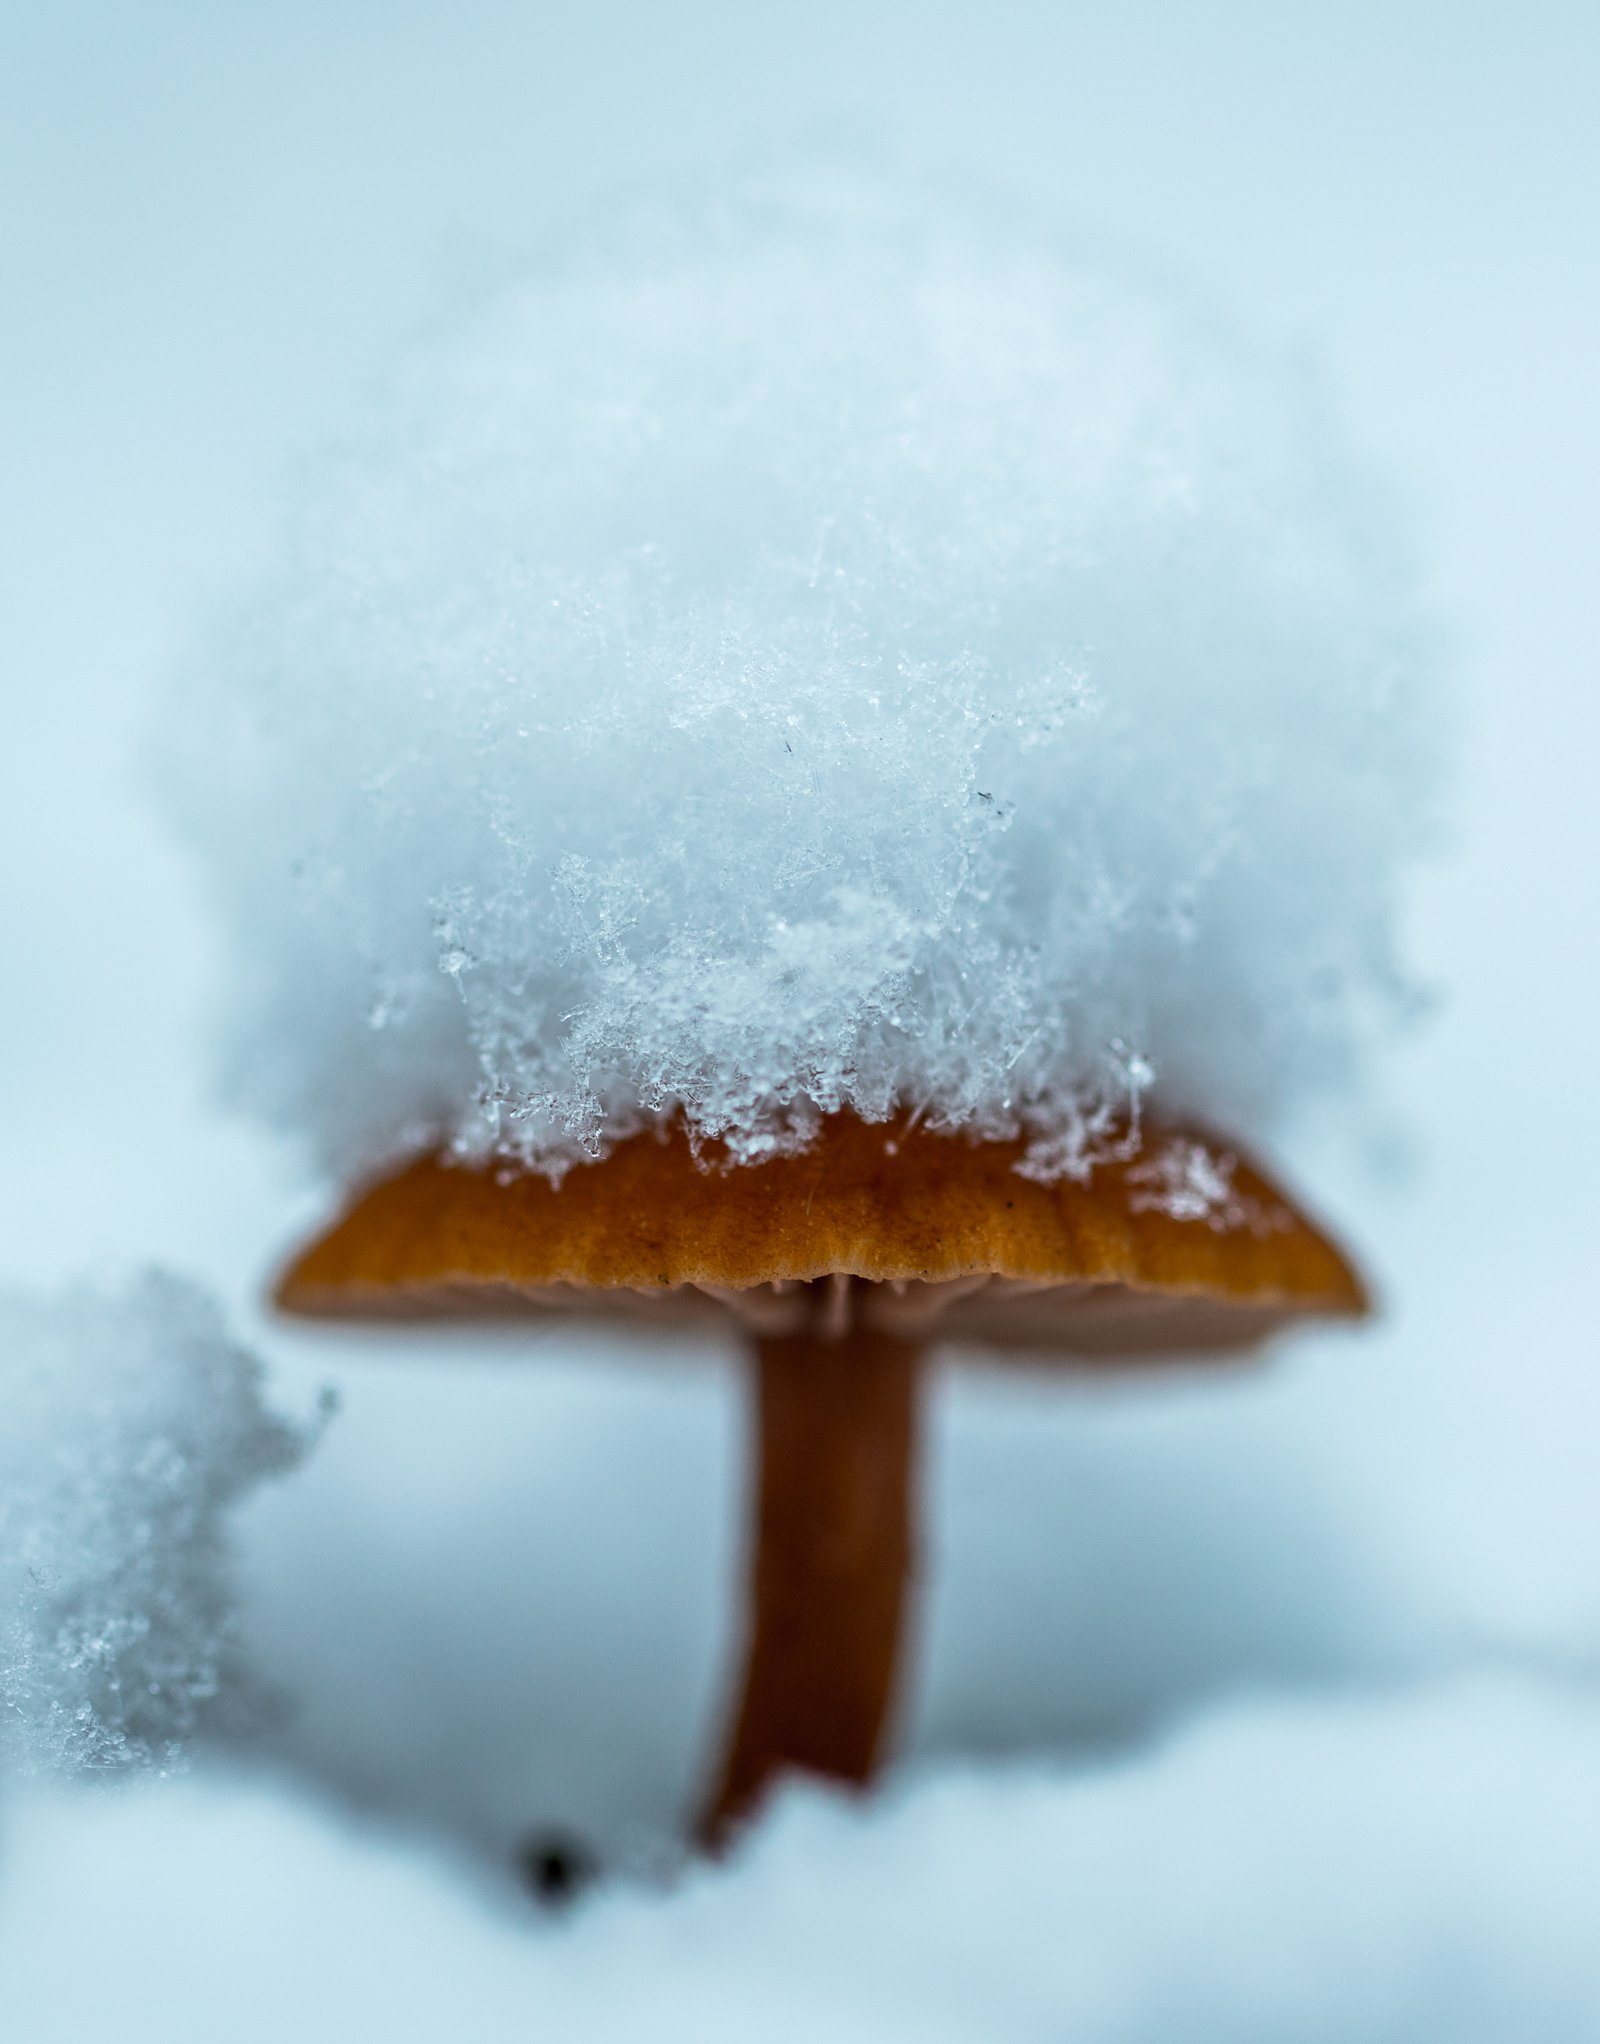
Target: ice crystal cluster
[129, 1424]
[836, 648]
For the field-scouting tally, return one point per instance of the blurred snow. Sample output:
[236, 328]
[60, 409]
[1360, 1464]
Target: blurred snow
[1362, 1871]
[500, 1591]
[132, 1425]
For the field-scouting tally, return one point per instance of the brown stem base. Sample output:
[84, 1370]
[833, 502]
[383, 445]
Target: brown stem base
[833, 1554]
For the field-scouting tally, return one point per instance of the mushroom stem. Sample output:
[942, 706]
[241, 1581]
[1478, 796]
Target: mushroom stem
[833, 1555]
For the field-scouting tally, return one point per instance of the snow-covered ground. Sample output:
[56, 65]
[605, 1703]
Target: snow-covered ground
[1424, 1868]
[1257, 1708]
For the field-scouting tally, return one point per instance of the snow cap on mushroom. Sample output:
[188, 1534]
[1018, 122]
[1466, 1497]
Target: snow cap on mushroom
[837, 648]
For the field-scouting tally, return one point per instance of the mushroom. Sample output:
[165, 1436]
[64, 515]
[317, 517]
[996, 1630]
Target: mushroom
[841, 1265]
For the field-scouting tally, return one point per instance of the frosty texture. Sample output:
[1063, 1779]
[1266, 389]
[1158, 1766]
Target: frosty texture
[131, 1424]
[838, 650]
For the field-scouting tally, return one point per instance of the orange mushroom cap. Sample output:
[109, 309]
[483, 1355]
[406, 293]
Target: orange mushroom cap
[945, 1235]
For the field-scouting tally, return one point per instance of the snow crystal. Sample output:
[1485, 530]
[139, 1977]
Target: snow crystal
[1188, 1181]
[131, 1425]
[840, 647]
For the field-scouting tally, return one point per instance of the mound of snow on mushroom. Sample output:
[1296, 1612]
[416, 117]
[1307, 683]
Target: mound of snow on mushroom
[834, 649]
[132, 1425]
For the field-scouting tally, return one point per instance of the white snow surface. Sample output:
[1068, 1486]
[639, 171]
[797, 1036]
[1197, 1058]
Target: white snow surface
[131, 1425]
[828, 648]
[1362, 1871]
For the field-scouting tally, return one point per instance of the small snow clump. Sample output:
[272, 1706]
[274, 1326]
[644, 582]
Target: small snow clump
[834, 647]
[129, 1424]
